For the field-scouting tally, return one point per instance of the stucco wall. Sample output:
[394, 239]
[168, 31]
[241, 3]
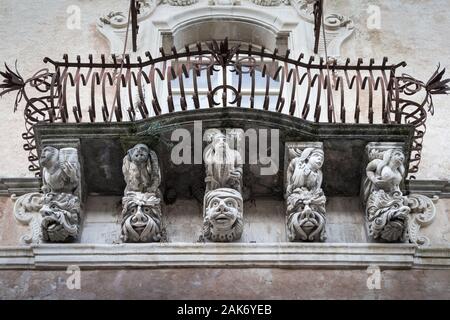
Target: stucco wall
[226, 284]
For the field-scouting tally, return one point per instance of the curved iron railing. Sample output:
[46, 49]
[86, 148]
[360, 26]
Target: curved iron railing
[370, 93]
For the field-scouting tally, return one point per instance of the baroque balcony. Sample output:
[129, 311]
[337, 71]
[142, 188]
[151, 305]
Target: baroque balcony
[315, 91]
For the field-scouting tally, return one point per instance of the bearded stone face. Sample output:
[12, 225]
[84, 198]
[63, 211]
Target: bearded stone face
[387, 217]
[141, 220]
[60, 217]
[219, 142]
[223, 220]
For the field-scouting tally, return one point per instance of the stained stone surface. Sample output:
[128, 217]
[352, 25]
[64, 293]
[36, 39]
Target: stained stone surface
[102, 221]
[249, 283]
[10, 230]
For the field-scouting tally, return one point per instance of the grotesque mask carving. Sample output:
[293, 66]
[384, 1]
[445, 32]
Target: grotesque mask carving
[141, 217]
[306, 216]
[60, 217]
[304, 196]
[223, 220]
[387, 215]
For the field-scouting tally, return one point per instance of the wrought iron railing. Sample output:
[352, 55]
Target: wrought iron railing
[362, 92]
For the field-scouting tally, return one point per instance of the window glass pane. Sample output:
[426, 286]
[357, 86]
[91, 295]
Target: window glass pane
[260, 81]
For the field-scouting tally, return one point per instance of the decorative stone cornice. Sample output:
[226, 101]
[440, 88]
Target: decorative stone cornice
[280, 255]
[430, 188]
[19, 186]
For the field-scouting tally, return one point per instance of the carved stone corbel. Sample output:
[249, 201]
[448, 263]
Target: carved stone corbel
[223, 203]
[390, 215]
[55, 214]
[61, 204]
[423, 213]
[305, 200]
[141, 214]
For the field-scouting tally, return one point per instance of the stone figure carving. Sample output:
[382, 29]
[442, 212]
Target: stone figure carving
[391, 216]
[141, 170]
[141, 220]
[223, 164]
[386, 173]
[386, 208]
[60, 170]
[60, 217]
[141, 214]
[223, 215]
[304, 196]
[61, 208]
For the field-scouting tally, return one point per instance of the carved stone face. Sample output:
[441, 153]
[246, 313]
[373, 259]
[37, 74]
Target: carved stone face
[397, 158]
[223, 215]
[387, 216]
[49, 156]
[219, 142]
[141, 218]
[316, 160]
[139, 154]
[306, 218]
[60, 217]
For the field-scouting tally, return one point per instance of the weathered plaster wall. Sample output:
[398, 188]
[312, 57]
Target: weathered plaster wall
[233, 283]
[10, 229]
[30, 31]
[415, 32]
